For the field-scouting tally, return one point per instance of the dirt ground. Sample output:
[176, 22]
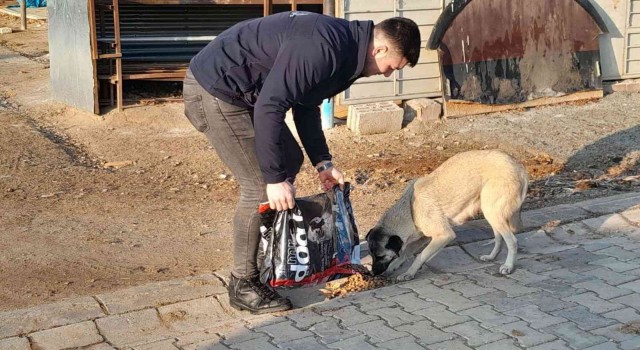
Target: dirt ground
[73, 222]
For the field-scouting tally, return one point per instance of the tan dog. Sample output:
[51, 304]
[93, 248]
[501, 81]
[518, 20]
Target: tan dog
[468, 183]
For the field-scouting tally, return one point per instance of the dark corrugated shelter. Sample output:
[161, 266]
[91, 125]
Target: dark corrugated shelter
[97, 45]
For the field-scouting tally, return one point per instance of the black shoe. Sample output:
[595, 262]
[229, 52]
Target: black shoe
[255, 297]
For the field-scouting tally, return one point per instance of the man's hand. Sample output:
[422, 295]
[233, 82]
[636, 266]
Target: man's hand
[330, 177]
[281, 195]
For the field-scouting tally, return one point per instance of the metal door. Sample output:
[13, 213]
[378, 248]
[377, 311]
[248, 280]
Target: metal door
[632, 40]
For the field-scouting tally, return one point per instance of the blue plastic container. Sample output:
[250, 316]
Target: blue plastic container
[34, 3]
[326, 113]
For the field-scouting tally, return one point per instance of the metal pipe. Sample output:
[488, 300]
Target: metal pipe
[23, 15]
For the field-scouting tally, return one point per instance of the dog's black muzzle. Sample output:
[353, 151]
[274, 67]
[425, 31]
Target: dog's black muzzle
[379, 267]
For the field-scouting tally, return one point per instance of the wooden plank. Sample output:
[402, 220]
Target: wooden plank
[145, 101]
[142, 70]
[171, 76]
[143, 76]
[268, 7]
[458, 108]
[340, 111]
[154, 71]
[116, 31]
[110, 55]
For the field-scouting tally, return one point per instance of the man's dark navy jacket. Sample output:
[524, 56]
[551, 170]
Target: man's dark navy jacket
[287, 60]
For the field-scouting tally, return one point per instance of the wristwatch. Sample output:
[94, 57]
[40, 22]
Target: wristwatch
[324, 166]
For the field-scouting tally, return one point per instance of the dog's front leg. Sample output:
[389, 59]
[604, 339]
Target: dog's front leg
[438, 241]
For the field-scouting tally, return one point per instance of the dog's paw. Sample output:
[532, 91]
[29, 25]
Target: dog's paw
[486, 258]
[404, 277]
[506, 269]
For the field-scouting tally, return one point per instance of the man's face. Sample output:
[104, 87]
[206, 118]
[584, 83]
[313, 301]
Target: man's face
[383, 60]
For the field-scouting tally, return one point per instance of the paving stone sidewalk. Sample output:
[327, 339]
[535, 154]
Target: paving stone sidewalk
[576, 286]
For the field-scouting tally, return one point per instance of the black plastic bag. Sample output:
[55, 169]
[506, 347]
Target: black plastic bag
[312, 243]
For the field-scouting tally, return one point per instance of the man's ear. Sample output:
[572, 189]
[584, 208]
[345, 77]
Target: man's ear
[395, 244]
[380, 51]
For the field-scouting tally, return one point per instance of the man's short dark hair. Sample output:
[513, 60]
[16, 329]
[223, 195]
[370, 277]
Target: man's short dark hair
[404, 34]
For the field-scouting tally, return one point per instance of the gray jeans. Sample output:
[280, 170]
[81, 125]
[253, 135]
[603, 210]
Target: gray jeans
[230, 130]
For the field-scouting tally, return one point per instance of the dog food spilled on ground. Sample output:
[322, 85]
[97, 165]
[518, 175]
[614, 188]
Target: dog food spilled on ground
[361, 281]
[632, 327]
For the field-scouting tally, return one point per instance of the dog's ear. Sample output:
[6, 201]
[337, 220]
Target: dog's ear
[368, 234]
[395, 244]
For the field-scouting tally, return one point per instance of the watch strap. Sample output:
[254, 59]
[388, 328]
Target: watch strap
[325, 166]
